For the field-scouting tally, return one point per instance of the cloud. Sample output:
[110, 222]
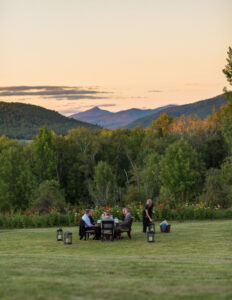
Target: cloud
[128, 97]
[72, 110]
[75, 97]
[58, 92]
[192, 84]
[107, 105]
[155, 91]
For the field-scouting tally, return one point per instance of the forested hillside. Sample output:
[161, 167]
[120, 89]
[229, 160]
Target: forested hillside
[22, 121]
[202, 109]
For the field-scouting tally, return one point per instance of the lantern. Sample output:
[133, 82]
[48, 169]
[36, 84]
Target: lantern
[151, 236]
[152, 227]
[68, 238]
[59, 234]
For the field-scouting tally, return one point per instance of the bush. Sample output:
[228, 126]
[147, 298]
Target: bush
[72, 216]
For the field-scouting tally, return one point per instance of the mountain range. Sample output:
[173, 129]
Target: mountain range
[138, 117]
[22, 121]
[201, 108]
[107, 119]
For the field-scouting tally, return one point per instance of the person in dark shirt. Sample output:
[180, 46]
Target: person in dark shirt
[147, 214]
[126, 223]
[91, 217]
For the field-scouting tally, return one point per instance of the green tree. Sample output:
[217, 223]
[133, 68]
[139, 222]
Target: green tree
[134, 195]
[218, 186]
[228, 72]
[49, 195]
[16, 180]
[44, 155]
[78, 163]
[114, 149]
[162, 124]
[226, 124]
[179, 171]
[103, 188]
[6, 143]
[147, 176]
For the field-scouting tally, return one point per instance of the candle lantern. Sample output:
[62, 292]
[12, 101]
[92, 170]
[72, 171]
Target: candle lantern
[59, 234]
[152, 227]
[151, 236]
[68, 238]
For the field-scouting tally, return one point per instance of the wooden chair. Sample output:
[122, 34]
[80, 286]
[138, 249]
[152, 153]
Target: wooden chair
[128, 230]
[107, 230]
[88, 232]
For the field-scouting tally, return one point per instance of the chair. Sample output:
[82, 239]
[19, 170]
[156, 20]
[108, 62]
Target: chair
[88, 232]
[128, 230]
[83, 232]
[107, 230]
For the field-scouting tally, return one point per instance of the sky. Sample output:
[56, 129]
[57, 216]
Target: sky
[72, 55]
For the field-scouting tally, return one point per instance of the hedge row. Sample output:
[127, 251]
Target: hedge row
[35, 219]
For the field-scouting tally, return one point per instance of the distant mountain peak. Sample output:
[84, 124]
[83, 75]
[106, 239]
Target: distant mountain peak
[95, 108]
[112, 120]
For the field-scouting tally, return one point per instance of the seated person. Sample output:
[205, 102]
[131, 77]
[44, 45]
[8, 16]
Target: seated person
[89, 225]
[126, 223]
[91, 217]
[107, 216]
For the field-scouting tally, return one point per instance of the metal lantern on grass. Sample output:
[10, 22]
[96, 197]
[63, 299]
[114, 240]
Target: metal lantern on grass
[59, 234]
[151, 236]
[152, 227]
[68, 238]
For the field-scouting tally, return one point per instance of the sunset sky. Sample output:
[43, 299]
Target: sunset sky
[71, 55]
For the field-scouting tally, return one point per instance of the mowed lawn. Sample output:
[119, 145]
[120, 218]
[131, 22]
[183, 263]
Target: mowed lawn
[194, 261]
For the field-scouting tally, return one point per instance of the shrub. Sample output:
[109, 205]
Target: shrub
[72, 216]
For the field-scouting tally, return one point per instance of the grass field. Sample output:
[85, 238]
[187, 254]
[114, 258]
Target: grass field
[194, 261]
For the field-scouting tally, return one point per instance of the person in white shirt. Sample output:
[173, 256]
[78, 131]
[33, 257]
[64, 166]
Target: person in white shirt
[89, 226]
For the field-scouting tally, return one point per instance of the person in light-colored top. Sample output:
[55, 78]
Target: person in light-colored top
[86, 218]
[107, 216]
[89, 225]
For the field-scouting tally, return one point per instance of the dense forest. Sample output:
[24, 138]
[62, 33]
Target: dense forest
[183, 160]
[22, 121]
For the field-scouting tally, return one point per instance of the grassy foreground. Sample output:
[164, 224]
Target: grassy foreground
[194, 261]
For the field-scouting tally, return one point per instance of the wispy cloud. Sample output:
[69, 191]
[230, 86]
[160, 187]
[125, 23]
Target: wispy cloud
[155, 91]
[67, 110]
[107, 105]
[192, 84]
[58, 92]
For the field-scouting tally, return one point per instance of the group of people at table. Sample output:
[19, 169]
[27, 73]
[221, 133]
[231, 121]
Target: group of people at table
[87, 222]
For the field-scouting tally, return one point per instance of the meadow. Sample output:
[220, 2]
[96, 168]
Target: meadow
[194, 261]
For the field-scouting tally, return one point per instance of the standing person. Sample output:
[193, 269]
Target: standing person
[147, 214]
